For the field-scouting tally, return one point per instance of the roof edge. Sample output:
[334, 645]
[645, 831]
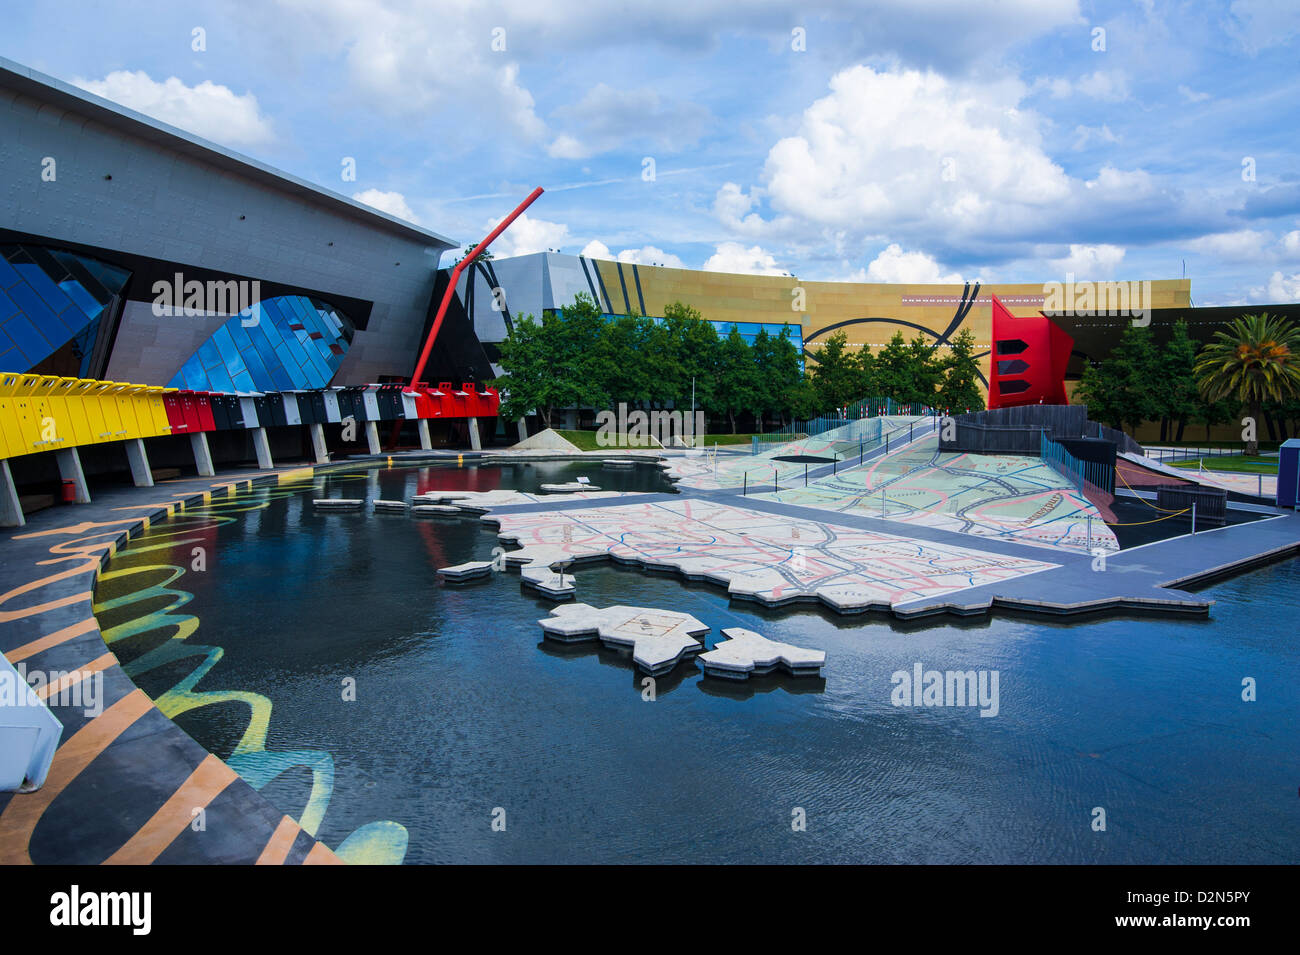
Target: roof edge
[66, 96]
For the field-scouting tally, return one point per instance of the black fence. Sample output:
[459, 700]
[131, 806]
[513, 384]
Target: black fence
[1211, 503]
[1019, 430]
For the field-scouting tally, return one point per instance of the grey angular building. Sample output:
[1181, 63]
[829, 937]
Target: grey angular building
[111, 220]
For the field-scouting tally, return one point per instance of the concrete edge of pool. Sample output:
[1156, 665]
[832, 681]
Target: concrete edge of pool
[149, 775]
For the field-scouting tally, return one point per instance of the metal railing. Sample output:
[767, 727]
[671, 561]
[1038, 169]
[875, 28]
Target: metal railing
[1097, 473]
[1185, 454]
[860, 421]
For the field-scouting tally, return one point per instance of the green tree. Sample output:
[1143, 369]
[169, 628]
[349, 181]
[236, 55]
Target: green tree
[838, 374]
[802, 400]
[1120, 390]
[1255, 360]
[1174, 382]
[785, 373]
[960, 390]
[893, 375]
[923, 373]
[735, 381]
[697, 352]
[555, 363]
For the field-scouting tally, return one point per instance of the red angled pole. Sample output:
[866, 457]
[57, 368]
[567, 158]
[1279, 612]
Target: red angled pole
[455, 277]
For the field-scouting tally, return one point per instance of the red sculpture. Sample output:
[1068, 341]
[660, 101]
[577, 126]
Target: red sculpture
[1029, 356]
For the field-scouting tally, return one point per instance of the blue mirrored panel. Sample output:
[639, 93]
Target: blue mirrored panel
[51, 299]
[280, 344]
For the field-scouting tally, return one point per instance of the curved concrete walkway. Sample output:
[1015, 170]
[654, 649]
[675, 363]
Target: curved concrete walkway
[125, 783]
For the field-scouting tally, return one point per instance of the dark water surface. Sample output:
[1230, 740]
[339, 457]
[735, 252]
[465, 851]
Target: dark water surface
[460, 709]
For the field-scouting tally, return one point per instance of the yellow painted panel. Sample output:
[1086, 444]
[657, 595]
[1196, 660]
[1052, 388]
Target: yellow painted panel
[105, 398]
[125, 398]
[88, 393]
[69, 390]
[153, 401]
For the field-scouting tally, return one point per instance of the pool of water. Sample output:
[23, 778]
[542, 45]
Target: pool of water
[461, 711]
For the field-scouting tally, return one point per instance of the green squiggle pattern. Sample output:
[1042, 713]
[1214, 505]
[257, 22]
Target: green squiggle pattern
[375, 843]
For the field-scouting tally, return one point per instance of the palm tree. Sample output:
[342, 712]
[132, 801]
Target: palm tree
[1256, 360]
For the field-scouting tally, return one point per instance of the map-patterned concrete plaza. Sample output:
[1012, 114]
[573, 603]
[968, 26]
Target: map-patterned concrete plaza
[987, 495]
[775, 559]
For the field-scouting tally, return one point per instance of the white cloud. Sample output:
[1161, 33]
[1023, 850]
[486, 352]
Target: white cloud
[208, 110]
[908, 268]
[1280, 289]
[1121, 185]
[1244, 245]
[1090, 262]
[646, 255]
[408, 57]
[1108, 85]
[1291, 244]
[1191, 95]
[1086, 134]
[565, 147]
[607, 118]
[527, 235]
[734, 257]
[1264, 23]
[732, 207]
[406, 60]
[394, 203]
[904, 148]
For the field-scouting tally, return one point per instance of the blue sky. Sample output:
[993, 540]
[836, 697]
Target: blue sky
[915, 140]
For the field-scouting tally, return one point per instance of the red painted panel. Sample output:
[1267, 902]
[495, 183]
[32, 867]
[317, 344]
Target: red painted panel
[172, 402]
[190, 407]
[202, 401]
[1046, 352]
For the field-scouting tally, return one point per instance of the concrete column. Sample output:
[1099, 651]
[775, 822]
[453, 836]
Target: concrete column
[474, 441]
[263, 448]
[202, 454]
[318, 443]
[11, 509]
[372, 437]
[426, 442]
[139, 461]
[523, 429]
[70, 470]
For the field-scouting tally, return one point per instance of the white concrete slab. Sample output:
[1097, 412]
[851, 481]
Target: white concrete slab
[338, 503]
[745, 652]
[381, 505]
[435, 510]
[470, 570]
[549, 583]
[658, 639]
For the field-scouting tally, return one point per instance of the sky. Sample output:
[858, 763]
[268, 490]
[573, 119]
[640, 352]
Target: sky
[886, 141]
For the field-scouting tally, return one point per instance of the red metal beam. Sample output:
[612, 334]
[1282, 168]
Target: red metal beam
[455, 278]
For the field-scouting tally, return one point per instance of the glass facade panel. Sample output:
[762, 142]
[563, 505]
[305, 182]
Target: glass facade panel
[271, 355]
[45, 306]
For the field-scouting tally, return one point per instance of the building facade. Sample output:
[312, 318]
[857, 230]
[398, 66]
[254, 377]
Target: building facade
[869, 314]
[133, 251]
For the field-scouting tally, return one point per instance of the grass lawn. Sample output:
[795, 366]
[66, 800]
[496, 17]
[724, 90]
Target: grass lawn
[586, 441]
[1237, 463]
